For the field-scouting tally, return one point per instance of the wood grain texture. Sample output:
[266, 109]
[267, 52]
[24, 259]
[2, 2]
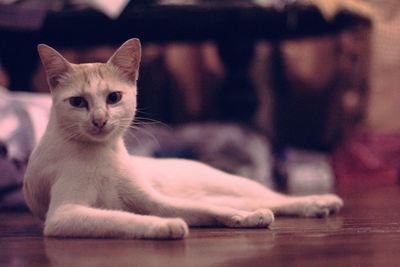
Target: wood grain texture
[365, 233]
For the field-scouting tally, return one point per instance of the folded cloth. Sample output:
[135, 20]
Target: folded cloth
[23, 119]
[11, 175]
[230, 147]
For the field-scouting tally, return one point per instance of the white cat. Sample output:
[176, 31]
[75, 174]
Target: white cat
[83, 183]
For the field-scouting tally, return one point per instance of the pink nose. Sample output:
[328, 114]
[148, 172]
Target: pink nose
[99, 123]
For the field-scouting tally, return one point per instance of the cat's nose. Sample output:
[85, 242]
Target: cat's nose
[99, 122]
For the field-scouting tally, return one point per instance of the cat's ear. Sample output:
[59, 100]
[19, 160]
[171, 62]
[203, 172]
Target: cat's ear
[127, 59]
[55, 65]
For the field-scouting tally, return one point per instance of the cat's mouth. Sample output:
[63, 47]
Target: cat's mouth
[99, 133]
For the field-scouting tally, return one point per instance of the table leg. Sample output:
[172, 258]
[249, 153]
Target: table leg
[237, 100]
[19, 58]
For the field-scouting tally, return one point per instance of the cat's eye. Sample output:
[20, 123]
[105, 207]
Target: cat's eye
[114, 97]
[78, 102]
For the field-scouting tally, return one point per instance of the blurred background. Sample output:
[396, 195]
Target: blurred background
[299, 95]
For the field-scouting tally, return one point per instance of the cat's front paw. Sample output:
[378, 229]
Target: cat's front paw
[322, 205]
[168, 229]
[261, 218]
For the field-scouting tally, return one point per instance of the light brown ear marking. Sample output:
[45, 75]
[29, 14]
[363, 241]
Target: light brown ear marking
[55, 65]
[127, 59]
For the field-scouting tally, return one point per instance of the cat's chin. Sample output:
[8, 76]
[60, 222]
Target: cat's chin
[99, 136]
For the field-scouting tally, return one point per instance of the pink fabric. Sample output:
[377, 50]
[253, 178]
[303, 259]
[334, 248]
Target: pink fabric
[367, 158]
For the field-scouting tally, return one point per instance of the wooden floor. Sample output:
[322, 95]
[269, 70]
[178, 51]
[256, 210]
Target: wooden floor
[365, 233]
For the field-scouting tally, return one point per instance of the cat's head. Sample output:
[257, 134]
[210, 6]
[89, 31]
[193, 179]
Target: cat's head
[96, 101]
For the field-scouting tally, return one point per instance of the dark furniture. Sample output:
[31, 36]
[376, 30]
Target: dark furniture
[235, 26]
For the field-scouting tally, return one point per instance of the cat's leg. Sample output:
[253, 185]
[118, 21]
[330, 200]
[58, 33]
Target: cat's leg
[241, 193]
[203, 214]
[219, 189]
[305, 206]
[71, 220]
[194, 213]
[223, 189]
[70, 215]
[282, 205]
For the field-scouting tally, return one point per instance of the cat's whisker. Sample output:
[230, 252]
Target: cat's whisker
[72, 136]
[141, 129]
[148, 121]
[123, 124]
[137, 139]
[71, 131]
[141, 111]
[138, 123]
[145, 133]
[67, 125]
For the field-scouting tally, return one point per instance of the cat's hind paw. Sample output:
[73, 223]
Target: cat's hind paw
[261, 218]
[322, 206]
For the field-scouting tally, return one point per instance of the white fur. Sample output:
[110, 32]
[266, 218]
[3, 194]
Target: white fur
[83, 183]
